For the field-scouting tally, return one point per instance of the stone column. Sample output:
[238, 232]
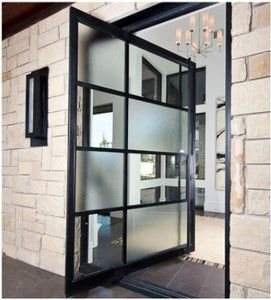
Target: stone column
[250, 152]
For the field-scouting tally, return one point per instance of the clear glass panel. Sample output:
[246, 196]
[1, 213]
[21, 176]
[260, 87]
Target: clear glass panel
[220, 143]
[100, 58]
[156, 73]
[151, 81]
[30, 105]
[200, 86]
[99, 180]
[150, 195]
[155, 189]
[172, 170]
[98, 242]
[154, 229]
[156, 128]
[100, 119]
[173, 89]
[200, 146]
[183, 174]
[200, 198]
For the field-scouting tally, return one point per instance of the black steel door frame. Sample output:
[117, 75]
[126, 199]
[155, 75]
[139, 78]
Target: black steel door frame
[143, 19]
[73, 285]
[163, 12]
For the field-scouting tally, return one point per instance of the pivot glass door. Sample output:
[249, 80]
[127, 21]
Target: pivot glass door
[131, 154]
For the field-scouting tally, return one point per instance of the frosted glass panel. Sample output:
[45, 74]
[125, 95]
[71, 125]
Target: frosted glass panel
[100, 58]
[99, 180]
[156, 128]
[154, 229]
[142, 80]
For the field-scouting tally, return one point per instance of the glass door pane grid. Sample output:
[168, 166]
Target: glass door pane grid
[91, 86]
[83, 18]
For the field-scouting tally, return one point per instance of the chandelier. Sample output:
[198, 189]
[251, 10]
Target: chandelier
[203, 41]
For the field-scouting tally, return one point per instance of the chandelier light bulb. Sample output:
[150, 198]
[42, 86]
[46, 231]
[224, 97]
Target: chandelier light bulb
[219, 38]
[178, 36]
[211, 23]
[187, 37]
[205, 21]
[192, 23]
[206, 38]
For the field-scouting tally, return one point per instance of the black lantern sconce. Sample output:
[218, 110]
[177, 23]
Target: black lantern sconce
[36, 114]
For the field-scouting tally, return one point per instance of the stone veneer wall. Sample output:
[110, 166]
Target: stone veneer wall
[250, 166]
[34, 179]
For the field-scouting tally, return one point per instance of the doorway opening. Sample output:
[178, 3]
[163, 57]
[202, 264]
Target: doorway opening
[146, 139]
[201, 273]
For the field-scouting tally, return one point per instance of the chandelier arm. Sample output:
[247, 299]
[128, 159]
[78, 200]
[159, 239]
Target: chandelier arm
[208, 47]
[196, 48]
[203, 54]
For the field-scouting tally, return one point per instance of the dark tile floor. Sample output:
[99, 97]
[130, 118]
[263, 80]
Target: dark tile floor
[20, 280]
[185, 277]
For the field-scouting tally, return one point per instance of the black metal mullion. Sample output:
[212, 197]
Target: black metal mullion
[126, 154]
[131, 96]
[86, 117]
[130, 151]
[191, 159]
[228, 147]
[135, 206]
[71, 164]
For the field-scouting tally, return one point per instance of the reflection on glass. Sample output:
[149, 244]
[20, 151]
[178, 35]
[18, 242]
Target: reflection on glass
[150, 166]
[172, 170]
[151, 81]
[174, 84]
[154, 128]
[200, 146]
[148, 229]
[200, 86]
[172, 193]
[183, 174]
[100, 119]
[99, 180]
[200, 198]
[173, 89]
[102, 126]
[146, 73]
[150, 195]
[161, 188]
[98, 242]
[100, 58]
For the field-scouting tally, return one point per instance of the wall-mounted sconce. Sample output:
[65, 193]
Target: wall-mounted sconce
[36, 114]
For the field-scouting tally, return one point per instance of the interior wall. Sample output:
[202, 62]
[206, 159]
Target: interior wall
[164, 36]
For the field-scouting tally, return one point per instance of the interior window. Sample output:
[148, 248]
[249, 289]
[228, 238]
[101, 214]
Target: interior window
[150, 195]
[149, 166]
[200, 146]
[174, 96]
[151, 81]
[102, 124]
[171, 166]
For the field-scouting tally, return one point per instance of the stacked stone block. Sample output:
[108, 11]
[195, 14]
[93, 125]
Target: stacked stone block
[250, 153]
[34, 178]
